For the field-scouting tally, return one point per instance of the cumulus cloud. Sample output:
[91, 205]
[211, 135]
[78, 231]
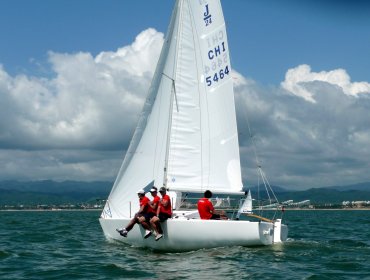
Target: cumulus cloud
[76, 122]
[296, 81]
[304, 143]
[85, 103]
[81, 105]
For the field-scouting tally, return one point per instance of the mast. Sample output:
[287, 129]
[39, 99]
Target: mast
[172, 97]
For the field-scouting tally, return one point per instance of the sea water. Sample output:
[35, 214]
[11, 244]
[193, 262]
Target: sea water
[71, 245]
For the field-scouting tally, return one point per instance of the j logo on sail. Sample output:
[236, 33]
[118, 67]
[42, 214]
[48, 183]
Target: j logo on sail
[207, 16]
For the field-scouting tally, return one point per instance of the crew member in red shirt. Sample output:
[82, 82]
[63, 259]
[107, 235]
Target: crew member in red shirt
[164, 212]
[140, 216]
[206, 209]
[152, 205]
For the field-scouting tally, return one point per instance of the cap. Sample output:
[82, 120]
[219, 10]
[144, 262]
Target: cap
[140, 192]
[162, 189]
[154, 189]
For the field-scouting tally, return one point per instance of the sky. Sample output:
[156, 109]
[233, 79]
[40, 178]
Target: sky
[74, 76]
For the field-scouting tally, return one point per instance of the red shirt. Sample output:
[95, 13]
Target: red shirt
[144, 201]
[166, 209]
[205, 208]
[154, 201]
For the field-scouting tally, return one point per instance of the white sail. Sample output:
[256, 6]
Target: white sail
[246, 207]
[188, 123]
[203, 147]
[145, 158]
[186, 139]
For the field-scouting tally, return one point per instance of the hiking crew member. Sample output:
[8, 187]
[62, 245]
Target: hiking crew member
[164, 212]
[140, 216]
[153, 205]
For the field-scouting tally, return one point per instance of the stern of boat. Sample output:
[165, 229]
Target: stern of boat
[280, 231]
[272, 233]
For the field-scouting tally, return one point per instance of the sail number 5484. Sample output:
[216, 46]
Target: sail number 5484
[217, 76]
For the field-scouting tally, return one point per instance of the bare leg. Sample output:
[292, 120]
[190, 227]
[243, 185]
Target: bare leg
[153, 222]
[160, 231]
[156, 224]
[144, 223]
[131, 223]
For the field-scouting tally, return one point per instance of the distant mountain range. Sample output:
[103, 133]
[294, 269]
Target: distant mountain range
[356, 187]
[52, 192]
[323, 195]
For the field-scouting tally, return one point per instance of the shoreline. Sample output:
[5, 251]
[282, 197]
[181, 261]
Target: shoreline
[256, 210]
[47, 210]
[334, 209]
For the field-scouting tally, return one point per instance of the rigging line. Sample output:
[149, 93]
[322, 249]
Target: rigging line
[264, 183]
[174, 90]
[173, 95]
[157, 132]
[161, 64]
[168, 140]
[258, 195]
[268, 184]
[251, 136]
[258, 163]
[272, 191]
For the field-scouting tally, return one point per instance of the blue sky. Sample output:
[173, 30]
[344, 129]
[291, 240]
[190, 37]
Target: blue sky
[304, 77]
[266, 36]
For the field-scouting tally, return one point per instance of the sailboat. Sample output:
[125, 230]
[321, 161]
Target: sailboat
[186, 139]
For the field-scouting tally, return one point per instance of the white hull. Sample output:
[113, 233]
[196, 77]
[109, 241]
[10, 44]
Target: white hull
[193, 234]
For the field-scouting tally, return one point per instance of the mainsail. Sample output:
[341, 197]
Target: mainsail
[187, 137]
